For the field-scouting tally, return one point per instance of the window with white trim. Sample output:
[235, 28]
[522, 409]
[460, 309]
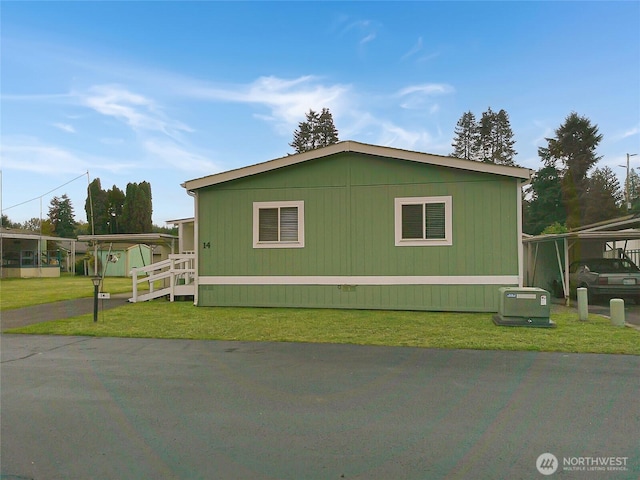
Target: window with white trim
[423, 221]
[278, 224]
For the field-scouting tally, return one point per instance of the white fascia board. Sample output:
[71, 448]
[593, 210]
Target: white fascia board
[180, 220]
[35, 236]
[356, 147]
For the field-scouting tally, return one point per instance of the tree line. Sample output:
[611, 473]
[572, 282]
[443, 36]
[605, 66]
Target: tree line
[109, 211]
[114, 211]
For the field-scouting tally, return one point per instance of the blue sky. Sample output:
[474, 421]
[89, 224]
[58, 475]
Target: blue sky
[170, 91]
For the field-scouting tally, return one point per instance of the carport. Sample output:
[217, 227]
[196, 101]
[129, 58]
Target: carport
[547, 256]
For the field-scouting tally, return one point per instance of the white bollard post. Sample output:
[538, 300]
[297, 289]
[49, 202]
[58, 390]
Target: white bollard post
[583, 304]
[616, 305]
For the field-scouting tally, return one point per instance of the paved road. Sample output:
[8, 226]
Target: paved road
[103, 408]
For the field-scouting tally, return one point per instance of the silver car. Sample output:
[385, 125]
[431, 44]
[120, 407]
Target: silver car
[610, 277]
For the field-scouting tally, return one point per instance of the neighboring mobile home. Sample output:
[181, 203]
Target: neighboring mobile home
[27, 254]
[359, 226]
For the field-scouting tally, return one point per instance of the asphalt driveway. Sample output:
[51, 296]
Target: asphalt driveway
[105, 408]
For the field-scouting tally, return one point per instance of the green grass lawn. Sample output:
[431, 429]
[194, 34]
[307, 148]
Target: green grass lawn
[25, 292]
[162, 319]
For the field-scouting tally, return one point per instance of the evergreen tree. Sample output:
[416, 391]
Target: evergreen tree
[318, 130]
[503, 140]
[326, 131]
[465, 142]
[545, 207]
[495, 138]
[137, 210]
[96, 208]
[147, 207]
[485, 136]
[62, 217]
[115, 204]
[574, 147]
[604, 196]
[634, 191]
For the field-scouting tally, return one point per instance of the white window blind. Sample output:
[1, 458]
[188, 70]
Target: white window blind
[423, 221]
[278, 224]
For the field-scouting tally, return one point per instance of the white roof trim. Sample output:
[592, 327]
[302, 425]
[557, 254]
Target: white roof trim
[34, 236]
[351, 146]
[610, 235]
[181, 220]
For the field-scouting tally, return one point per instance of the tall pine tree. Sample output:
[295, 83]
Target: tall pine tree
[574, 149]
[495, 138]
[490, 140]
[604, 197]
[62, 217]
[465, 142]
[115, 204]
[545, 206]
[137, 210]
[318, 130]
[96, 208]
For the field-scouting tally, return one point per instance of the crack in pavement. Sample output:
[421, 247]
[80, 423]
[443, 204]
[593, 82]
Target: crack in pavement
[33, 354]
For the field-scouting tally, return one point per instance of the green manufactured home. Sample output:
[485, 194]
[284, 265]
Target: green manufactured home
[359, 226]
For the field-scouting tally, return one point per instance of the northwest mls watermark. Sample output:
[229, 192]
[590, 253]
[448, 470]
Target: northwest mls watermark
[548, 464]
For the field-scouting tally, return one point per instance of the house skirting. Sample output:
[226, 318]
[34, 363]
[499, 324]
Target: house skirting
[45, 271]
[449, 293]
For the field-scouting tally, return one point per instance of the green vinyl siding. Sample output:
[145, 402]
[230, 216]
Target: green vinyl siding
[349, 231]
[457, 298]
[228, 229]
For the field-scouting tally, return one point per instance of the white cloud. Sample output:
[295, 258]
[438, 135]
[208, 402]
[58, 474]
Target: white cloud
[371, 129]
[40, 158]
[541, 139]
[366, 30]
[395, 136]
[65, 127]
[368, 38]
[177, 157]
[135, 110]
[30, 155]
[426, 89]
[629, 133]
[414, 49]
[419, 96]
[287, 100]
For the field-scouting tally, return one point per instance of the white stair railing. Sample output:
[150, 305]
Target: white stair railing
[178, 271]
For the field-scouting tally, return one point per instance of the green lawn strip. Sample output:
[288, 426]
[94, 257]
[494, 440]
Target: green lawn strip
[26, 292]
[181, 320]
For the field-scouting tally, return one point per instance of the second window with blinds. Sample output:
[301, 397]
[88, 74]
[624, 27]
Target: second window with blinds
[423, 221]
[278, 224]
